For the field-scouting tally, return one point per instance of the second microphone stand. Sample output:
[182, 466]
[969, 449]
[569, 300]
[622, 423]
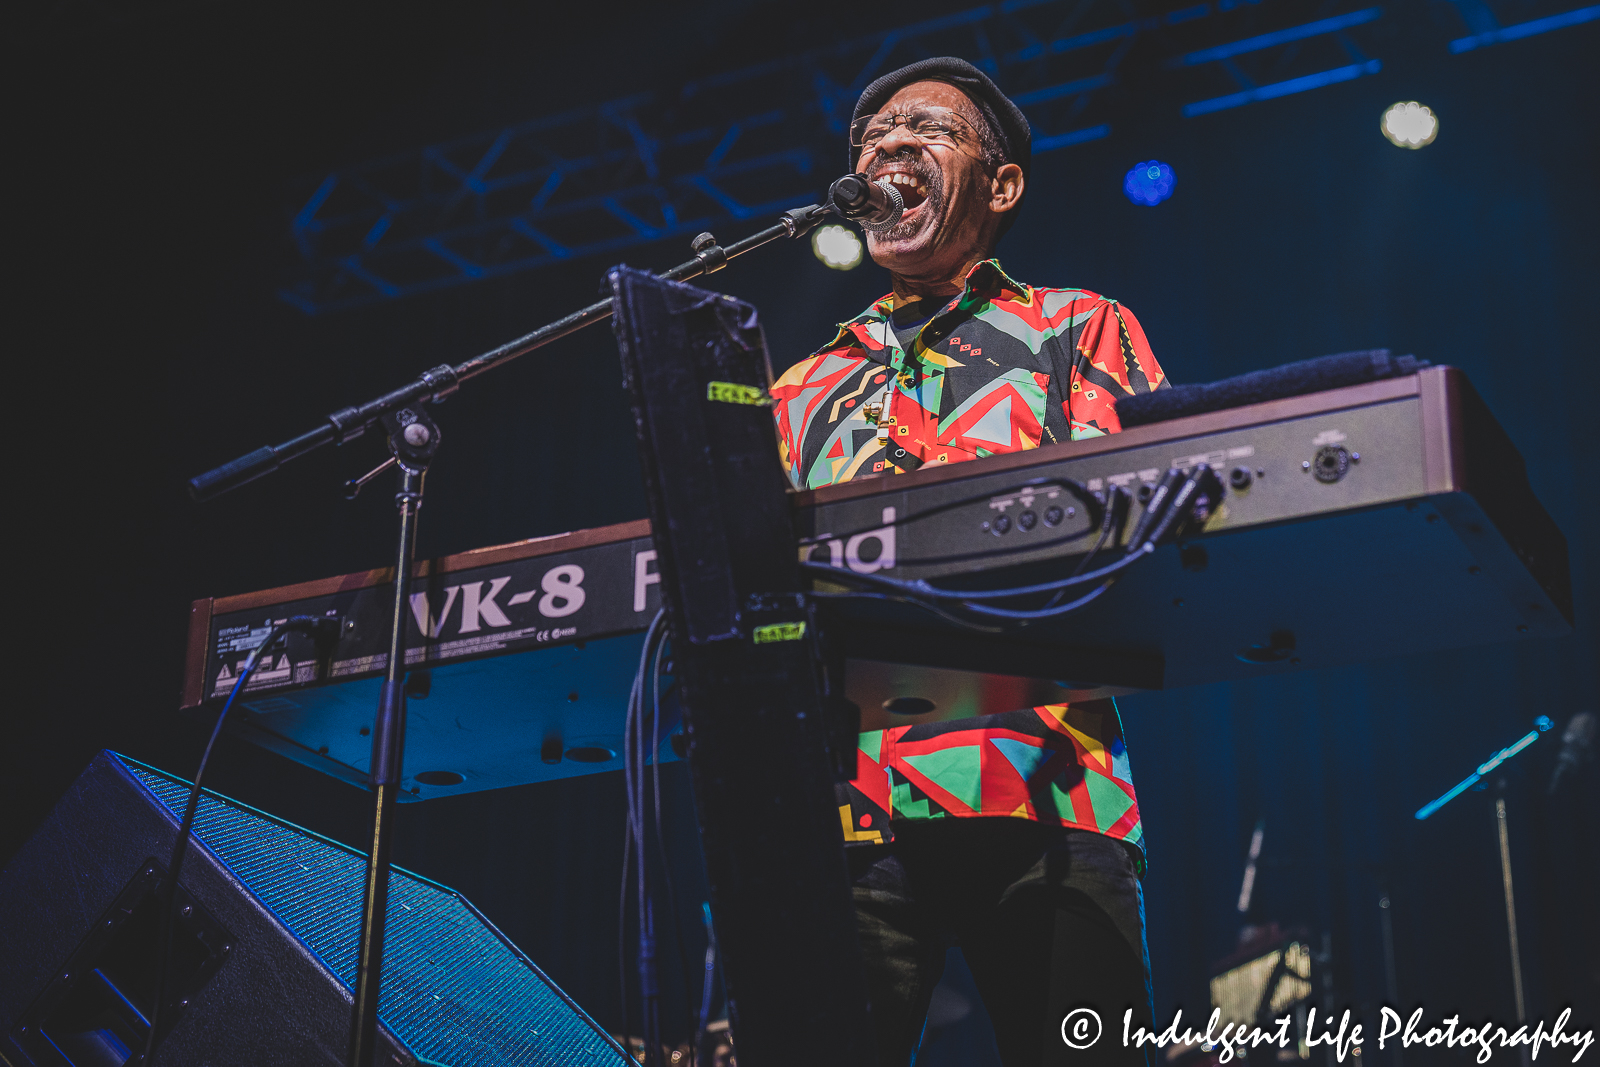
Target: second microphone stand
[413, 440]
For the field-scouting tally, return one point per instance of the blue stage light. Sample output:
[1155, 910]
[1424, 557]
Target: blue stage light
[1149, 183]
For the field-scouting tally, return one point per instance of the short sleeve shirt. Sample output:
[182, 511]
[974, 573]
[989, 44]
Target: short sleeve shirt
[1002, 367]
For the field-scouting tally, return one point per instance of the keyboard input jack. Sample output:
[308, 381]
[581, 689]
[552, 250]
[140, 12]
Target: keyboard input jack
[1331, 463]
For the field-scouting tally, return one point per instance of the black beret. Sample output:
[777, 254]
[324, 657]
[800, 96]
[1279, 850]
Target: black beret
[1010, 126]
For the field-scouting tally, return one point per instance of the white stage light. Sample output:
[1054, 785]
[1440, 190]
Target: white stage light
[837, 246]
[1410, 125]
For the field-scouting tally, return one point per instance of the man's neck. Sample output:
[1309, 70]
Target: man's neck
[938, 285]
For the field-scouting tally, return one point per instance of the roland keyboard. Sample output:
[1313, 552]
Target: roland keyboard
[1388, 518]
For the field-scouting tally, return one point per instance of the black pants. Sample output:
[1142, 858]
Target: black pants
[1049, 920]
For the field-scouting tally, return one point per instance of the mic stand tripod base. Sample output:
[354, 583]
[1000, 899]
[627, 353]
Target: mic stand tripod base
[413, 439]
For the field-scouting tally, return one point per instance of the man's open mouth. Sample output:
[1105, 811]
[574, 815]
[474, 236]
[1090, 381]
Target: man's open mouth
[912, 189]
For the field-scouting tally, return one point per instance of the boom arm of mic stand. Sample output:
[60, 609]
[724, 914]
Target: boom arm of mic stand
[434, 385]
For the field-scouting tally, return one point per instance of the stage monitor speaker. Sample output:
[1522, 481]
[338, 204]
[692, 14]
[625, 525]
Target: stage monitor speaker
[265, 954]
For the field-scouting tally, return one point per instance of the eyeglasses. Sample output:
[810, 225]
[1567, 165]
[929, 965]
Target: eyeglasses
[930, 125]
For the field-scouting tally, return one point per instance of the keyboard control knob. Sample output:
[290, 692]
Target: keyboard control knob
[1027, 520]
[1002, 524]
[1053, 515]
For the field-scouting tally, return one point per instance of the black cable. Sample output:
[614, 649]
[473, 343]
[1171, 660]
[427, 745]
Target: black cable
[648, 1002]
[1183, 502]
[1156, 505]
[655, 735]
[637, 758]
[633, 773]
[1049, 612]
[661, 838]
[920, 589]
[1176, 495]
[706, 991]
[1085, 497]
[920, 593]
[629, 850]
[1115, 496]
[622, 928]
[628, 836]
[308, 624]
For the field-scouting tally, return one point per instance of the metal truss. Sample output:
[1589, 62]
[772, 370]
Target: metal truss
[1250, 90]
[1485, 29]
[760, 140]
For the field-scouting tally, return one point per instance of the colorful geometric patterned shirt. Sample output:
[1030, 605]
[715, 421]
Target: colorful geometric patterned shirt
[1002, 367]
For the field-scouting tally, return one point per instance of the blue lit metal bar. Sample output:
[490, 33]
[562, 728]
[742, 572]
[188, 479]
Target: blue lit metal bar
[1189, 14]
[450, 256]
[1542, 723]
[1080, 40]
[1064, 140]
[519, 197]
[383, 288]
[1525, 29]
[1056, 92]
[556, 248]
[598, 179]
[1272, 40]
[1283, 88]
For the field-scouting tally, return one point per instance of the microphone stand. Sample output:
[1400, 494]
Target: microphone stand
[1541, 724]
[413, 440]
[434, 385]
[1511, 905]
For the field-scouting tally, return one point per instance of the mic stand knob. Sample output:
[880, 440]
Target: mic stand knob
[712, 256]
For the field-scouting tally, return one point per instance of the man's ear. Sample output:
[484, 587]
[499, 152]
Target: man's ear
[1006, 188]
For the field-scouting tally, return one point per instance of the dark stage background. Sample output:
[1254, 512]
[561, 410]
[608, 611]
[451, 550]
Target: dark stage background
[163, 146]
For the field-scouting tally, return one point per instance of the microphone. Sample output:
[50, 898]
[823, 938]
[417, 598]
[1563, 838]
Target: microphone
[875, 206]
[1577, 747]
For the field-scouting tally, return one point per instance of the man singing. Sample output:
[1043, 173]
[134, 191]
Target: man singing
[1015, 836]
